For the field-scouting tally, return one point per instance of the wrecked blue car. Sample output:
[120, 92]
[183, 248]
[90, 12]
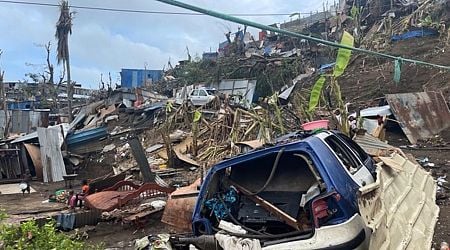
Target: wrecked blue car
[295, 195]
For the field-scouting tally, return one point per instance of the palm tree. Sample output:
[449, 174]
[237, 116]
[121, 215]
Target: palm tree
[63, 30]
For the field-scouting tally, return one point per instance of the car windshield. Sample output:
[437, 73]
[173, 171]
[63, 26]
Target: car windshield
[211, 91]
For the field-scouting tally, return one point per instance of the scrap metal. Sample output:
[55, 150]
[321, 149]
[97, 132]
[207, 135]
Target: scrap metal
[421, 115]
[400, 206]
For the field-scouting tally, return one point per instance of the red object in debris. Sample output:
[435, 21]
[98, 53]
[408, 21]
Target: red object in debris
[125, 193]
[262, 35]
[320, 210]
[180, 206]
[315, 125]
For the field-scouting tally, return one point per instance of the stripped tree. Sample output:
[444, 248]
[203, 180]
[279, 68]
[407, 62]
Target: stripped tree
[4, 102]
[63, 30]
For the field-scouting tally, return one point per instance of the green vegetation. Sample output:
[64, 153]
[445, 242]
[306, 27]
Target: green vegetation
[29, 235]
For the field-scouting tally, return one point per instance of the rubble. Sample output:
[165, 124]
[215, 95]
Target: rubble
[175, 157]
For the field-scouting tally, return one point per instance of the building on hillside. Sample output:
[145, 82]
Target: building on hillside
[210, 56]
[132, 78]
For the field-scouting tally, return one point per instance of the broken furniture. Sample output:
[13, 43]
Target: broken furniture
[125, 193]
[103, 182]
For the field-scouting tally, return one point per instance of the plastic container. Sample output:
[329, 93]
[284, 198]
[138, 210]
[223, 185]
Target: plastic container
[315, 125]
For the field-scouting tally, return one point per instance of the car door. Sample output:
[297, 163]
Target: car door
[202, 97]
[193, 97]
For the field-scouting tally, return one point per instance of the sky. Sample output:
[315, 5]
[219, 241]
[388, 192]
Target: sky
[104, 42]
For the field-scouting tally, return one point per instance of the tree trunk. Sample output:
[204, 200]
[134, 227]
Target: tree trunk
[69, 84]
[5, 104]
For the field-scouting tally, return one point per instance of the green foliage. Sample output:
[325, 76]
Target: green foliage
[315, 93]
[29, 235]
[428, 22]
[344, 55]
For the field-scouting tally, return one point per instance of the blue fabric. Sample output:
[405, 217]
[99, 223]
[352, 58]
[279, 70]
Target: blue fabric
[65, 221]
[324, 67]
[221, 209]
[267, 51]
[415, 33]
[240, 35]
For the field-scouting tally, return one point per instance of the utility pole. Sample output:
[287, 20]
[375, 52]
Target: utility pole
[145, 75]
[326, 20]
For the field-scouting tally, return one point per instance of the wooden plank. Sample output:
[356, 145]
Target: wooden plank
[268, 206]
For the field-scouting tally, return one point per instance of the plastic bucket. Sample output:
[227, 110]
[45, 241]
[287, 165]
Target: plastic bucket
[315, 125]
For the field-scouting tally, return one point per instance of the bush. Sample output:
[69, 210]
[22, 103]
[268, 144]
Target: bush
[29, 235]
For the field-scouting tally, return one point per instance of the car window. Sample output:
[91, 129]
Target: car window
[194, 92]
[354, 146]
[211, 92]
[202, 93]
[344, 154]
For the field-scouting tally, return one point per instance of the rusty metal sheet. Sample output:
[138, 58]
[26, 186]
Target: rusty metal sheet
[421, 115]
[400, 207]
[180, 206]
[105, 200]
[35, 154]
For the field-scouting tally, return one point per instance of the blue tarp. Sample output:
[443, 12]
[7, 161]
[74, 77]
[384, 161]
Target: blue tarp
[415, 33]
[323, 67]
[80, 138]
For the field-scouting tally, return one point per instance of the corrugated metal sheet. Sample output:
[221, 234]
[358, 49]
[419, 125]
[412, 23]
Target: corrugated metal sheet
[243, 87]
[421, 115]
[35, 155]
[20, 121]
[400, 207]
[86, 136]
[50, 140]
[132, 78]
[372, 145]
[24, 121]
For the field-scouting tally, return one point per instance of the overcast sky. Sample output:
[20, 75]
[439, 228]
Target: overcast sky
[105, 42]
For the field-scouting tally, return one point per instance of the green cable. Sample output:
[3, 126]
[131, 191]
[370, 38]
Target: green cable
[293, 34]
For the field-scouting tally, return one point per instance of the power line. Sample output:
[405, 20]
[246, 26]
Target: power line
[148, 11]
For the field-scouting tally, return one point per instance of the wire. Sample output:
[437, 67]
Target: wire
[293, 34]
[148, 11]
[272, 173]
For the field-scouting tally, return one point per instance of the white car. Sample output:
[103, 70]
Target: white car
[203, 96]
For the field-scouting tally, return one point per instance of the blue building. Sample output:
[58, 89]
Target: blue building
[132, 78]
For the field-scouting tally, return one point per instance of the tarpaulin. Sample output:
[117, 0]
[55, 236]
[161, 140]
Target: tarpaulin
[415, 33]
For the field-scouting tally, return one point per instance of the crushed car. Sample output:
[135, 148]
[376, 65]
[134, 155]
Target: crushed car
[295, 195]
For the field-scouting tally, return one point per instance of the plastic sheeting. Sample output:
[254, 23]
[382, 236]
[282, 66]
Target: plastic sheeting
[415, 33]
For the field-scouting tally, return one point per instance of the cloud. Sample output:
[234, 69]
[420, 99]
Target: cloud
[105, 42]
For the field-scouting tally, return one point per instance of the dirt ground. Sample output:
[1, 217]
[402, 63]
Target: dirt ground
[20, 207]
[369, 78]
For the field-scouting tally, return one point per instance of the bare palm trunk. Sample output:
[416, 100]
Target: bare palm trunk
[69, 85]
[5, 104]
